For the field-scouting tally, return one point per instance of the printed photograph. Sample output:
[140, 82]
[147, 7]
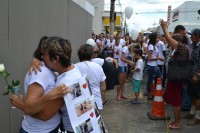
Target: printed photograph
[83, 107]
[102, 126]
[85, 127]
[75, 91]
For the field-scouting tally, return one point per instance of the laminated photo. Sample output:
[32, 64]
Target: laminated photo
[82, 109]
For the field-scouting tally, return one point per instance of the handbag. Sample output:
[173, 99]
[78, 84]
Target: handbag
[179, 70]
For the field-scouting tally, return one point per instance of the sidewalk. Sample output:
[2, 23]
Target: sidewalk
[123, 117]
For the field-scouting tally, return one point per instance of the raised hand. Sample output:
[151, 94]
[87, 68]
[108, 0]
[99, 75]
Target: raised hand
[163, 24]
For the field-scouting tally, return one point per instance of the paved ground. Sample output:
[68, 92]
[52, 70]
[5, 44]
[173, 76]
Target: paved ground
[123, 117]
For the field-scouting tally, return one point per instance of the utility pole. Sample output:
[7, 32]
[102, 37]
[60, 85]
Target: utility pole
[112, 21]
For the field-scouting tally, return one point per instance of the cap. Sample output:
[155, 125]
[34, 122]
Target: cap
[91, 42]
[194, 32]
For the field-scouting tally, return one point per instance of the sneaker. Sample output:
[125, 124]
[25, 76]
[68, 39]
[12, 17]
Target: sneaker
[135, 102]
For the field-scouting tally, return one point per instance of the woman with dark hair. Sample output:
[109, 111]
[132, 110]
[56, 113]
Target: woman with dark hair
[152, 68]
[172, 94]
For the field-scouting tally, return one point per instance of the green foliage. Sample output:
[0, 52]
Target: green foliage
[9, 88]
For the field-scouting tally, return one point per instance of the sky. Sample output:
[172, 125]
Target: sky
[146, 13]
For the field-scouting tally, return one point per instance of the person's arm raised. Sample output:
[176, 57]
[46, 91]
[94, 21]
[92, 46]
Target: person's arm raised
[173, 43]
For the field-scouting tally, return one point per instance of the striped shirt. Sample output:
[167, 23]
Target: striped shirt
[195, 55]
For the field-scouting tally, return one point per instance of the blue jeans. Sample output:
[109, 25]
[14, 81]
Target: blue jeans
[53, 131]
[185, 97]
[153, 72]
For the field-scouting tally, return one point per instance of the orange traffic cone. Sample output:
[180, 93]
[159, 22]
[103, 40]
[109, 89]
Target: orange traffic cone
[153, 88]
[158, 110]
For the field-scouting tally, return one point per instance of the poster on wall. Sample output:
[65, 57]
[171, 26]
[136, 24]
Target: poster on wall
[82, 109]
[175, 15]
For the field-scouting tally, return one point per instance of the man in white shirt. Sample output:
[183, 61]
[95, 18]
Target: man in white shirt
[161, 51]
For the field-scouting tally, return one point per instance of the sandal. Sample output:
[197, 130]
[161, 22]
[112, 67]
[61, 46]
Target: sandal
[118, 98]
[124, 97]
[134, 102]
[174, 126]
[170, 123]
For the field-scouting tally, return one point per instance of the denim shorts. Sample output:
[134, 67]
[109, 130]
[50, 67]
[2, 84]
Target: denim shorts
[123, 69]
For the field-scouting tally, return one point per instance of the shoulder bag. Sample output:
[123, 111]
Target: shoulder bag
[179, 70]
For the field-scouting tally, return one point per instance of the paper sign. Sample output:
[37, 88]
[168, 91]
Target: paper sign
[82, 109]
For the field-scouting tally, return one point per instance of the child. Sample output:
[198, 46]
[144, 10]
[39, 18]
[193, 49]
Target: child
[137, 75]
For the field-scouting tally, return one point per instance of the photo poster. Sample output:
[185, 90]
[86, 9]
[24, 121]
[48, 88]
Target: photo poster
[82, 109]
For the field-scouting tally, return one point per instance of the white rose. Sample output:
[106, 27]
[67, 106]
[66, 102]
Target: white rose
[2, 68]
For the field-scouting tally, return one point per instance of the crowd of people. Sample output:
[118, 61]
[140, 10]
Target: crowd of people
[108, 61]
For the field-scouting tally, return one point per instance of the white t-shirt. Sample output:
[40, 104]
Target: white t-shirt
[46, 79]
[127, 53]
[154, 55]
[139, 74]
[68, 78]
[117, 51]
[109, 59]
[122, 42]
[161, 47]
[110, 45]
[98, 61]
[101, 42]
[95, 75]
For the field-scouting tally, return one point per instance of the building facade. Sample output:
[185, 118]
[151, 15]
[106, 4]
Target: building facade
[101, 19]
[187, 14]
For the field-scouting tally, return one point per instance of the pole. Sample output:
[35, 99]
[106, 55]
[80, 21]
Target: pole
[125, 30]
[112, 21]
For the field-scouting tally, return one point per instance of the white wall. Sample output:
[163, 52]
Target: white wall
[23, 23]
[97, 24]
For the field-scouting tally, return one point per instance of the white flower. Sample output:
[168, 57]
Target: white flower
[2, 68]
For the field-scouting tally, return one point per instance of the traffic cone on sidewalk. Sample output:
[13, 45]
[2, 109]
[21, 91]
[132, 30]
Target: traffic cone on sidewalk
[158, 109]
